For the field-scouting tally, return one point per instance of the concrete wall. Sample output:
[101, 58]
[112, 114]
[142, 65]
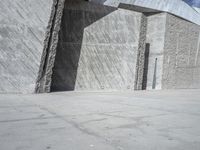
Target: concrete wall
[22, 32]
[156, 39]
[97, 49]
[181, 66]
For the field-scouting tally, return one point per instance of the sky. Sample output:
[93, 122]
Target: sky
[195, 3]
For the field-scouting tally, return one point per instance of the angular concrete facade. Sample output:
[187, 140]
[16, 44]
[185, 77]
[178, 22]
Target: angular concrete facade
[97, 49]
[62, 45]
[181, 66]
[23, 25]
[174, 53]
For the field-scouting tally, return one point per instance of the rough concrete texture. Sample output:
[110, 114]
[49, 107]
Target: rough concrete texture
[156, 38]
[22, 32]
[97, 48]
[156, 120]
[181, 66]
[50, 46]
[141, 53]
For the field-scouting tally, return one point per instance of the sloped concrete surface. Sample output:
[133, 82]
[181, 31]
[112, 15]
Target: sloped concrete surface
[23, 24]
[97, 48]
[156, 120]
[197, 9]
[176, 7]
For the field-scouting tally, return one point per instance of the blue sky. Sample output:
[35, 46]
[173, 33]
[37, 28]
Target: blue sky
[193, 2]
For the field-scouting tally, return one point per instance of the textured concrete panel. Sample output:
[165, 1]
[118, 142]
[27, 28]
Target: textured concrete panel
[97, 48]
[181, 54]
[156, 38]
[22, 32]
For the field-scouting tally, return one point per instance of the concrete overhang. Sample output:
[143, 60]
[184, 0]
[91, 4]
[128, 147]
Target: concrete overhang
[175, 7]
[146, 11]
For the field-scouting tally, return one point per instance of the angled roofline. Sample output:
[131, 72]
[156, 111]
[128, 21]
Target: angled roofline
[175, 7]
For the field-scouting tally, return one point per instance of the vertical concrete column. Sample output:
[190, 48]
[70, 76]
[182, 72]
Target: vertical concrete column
[156, 38]
[141, 54]
[44, 78]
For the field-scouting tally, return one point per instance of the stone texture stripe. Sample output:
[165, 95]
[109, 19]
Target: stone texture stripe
[44, 79]
[141, 54]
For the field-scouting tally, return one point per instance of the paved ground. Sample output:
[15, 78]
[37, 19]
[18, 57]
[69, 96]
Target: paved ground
[157, 120]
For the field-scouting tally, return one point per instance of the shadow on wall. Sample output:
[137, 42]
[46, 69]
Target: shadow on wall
[146, 64]
[78, 14]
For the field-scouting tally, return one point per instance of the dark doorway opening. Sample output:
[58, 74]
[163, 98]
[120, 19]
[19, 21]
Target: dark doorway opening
[146, 64]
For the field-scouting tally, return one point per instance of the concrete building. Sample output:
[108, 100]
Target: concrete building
[62, 45]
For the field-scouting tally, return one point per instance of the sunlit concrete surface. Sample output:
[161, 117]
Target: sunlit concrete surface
[149, 120]
[176, 7]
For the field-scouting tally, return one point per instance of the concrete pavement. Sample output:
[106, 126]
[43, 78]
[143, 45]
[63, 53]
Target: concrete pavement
[146, 120]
